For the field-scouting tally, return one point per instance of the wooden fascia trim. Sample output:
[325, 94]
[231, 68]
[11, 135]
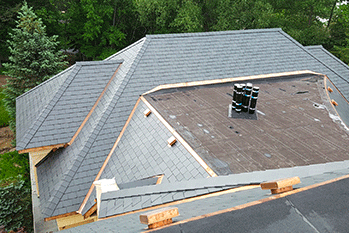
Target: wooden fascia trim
[94, 107]
[108, 157]
[227, 80]
[36, 149]
[180, 139]
[60, 216]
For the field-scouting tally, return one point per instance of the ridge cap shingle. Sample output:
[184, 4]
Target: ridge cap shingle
[48, 80]
[214, 33]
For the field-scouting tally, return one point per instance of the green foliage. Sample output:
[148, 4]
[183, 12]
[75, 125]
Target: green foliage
[4, 116]
[33, 58]
[164, 16]
[96, 27]
[15, 204]
[242, 14]
[13, 164]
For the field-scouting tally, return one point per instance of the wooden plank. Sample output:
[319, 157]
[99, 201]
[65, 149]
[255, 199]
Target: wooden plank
[60, 216]
[74, 221]
[160, 224]
[77, 224]
[108, 157]
[171, 141]
[159, 215]
[41, 148]
[227, 80]
[146, 112]
[334, 103]
[93, 108]
[92, 210]
[281, 190]
[281, 183]
[160, 177]
[179, 138]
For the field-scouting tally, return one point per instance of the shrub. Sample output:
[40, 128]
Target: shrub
[15, 204]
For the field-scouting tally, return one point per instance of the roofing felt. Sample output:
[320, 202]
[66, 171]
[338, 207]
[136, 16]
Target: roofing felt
[143, 152]
[292, 128]
[201, 206]
[163, 59]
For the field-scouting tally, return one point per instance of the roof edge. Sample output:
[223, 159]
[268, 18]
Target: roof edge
[48, 80]
[215, 33]
[328, 53]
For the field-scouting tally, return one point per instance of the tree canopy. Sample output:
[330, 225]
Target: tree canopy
[33, 58]
[99, 28]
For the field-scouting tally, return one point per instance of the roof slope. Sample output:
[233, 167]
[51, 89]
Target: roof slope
[30, 105]
[69, 105]
[143, 152]
[65, 176]
[320, 209]
[129, 222]
[163, 59]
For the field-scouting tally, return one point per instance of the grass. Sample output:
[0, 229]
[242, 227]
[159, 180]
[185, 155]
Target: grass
[13, 164]
[4, 116]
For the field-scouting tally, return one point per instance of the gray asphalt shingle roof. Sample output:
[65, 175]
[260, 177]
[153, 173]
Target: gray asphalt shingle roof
[122, 201]
[66, 176]
[143, 152]
[30, 105]
[70, 105]
[130, 222]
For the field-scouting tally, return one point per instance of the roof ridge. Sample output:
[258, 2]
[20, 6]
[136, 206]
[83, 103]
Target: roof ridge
[331, 55]
[127, 48]
[127, 76]
[214, 33]
[48, 80]
[313, 46]
[93, 63]
[311, 54]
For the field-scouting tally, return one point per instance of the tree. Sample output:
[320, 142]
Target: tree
[33, 58]
[242, 14]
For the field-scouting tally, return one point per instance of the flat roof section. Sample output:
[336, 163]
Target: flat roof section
[293, 127]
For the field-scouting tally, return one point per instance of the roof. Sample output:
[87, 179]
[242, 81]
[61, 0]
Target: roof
[65, 176]
[241, 202]
[293, 127]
